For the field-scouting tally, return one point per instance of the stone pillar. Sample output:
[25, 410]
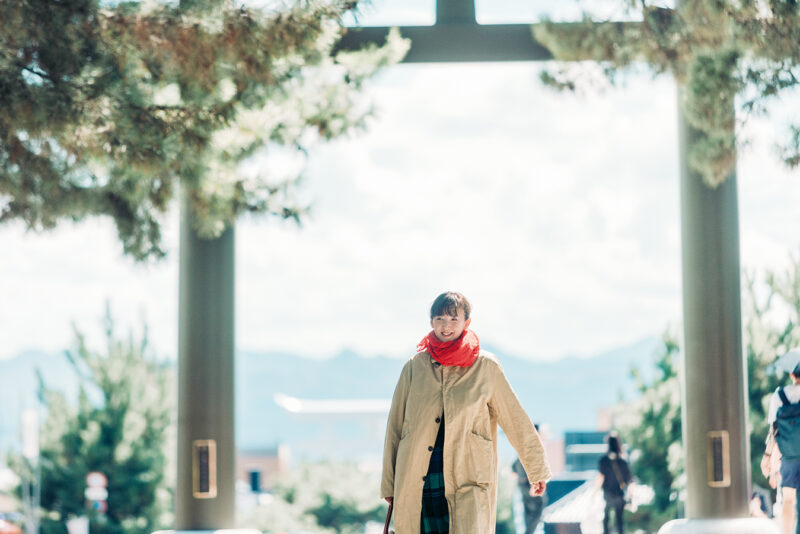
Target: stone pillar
[715, 376]
[714, 371]
[205, 498]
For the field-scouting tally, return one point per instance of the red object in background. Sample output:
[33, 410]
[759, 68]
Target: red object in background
[9, 528]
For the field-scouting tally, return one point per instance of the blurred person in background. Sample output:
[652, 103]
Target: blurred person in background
[784, 446]
[614, 478]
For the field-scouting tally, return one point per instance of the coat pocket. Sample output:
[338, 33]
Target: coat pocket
[480, 457]
[472, 511]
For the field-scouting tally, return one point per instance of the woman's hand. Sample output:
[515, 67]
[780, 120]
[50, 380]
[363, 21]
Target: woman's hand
[537, 488]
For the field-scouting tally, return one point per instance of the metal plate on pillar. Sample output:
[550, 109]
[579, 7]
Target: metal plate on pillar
[718, 452]
[204, 469]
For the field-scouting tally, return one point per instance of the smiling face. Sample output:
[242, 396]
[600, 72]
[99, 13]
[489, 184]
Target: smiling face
[449, 327]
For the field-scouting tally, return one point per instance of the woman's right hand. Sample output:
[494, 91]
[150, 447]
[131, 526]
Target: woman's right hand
[538, 488]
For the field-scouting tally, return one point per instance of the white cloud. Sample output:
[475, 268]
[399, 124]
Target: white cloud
[50, 281]
[557, 215]
[475, 178]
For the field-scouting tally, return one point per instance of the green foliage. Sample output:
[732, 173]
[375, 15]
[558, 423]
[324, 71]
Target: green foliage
[771, 329]
[654, 434]
[718, 50]
[119, 428]
[342, 515]
[652, 423]
[322, 497]
[108, 110]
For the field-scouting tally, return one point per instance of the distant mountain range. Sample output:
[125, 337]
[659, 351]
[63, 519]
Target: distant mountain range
[565, 394]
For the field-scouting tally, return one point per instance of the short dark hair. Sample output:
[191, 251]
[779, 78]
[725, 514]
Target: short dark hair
[796, 370]
[448, 303]
[613, 444]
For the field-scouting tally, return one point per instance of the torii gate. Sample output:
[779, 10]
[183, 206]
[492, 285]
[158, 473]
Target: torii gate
[714, 381]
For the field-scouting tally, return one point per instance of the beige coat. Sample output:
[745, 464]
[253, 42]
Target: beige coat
[473, 400]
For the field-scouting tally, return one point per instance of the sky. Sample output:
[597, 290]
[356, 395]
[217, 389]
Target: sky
[557, 215]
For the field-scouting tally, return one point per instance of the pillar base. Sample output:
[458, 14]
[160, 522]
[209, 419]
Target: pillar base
[747, 525]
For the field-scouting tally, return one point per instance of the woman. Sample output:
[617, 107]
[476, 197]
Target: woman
[440, 454]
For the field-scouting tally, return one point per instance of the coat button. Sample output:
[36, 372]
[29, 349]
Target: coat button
[438, 419]
[430, 448]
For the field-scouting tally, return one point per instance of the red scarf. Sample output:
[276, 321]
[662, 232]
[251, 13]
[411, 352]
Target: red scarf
[461, 352]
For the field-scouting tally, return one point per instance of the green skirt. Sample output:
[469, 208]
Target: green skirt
[435, 514]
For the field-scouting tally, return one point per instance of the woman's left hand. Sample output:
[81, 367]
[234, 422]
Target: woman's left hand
[537, 488]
